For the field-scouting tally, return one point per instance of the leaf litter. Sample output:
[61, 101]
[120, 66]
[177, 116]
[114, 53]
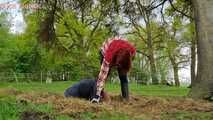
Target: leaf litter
[137, 106]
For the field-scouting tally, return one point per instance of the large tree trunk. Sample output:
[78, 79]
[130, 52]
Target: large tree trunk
[152, 61]
[175, 70]
[193, 48]
[176, 76]
[153, 70]
[151, 52]
[193, 58]
[203, 86]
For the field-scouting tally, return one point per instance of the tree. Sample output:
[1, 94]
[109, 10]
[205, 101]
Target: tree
[135, 11]
[68, 34]
[193, 47]
[7, 44]
[203, 86]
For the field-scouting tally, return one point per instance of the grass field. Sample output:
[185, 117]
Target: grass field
[59, 87]
[148, 102]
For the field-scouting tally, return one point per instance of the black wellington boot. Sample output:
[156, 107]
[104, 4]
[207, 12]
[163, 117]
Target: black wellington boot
[125, 91]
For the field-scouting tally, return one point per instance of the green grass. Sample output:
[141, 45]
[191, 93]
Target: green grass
[59, 87]
[188, 116]
[104, 116]
[151, 90]
[10, 109]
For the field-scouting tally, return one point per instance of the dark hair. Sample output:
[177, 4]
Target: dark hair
[122, 60]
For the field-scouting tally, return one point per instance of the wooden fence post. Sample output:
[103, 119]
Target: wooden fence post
[16, 78]
[41, 76]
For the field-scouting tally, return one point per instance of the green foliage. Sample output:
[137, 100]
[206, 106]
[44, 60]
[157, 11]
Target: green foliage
[189, 32]
[182, 5]
[23, 53]
[141, 75]
[80, 31]
[7, 44]
[27, 61]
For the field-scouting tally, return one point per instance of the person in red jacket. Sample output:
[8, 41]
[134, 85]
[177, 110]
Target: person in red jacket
[119, 53]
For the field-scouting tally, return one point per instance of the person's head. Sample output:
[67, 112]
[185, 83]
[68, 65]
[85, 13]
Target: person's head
[123, 59]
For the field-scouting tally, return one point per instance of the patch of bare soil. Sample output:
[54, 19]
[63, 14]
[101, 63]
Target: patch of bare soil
[155, 106]
[9, 91]
[69, 106]
[32, 115]
[137, 106]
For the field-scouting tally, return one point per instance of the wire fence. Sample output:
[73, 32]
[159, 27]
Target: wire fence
[48, 77]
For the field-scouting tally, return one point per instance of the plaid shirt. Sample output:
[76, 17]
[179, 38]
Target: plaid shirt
[102, 76]
[108, 49]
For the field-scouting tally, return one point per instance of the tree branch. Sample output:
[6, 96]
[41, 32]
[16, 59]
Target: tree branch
[181, 12]
[154, 7]
[184, 61]
[162, 15]
[138, 51]
[161, 57]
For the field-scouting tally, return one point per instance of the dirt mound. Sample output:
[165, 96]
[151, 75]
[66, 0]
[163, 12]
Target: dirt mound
[32, 115]
[71, 106]
[137, 105]
[156, 105]
[9, 91]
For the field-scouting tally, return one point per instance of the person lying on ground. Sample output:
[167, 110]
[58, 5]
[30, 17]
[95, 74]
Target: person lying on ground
[86, 89]
[118, 53]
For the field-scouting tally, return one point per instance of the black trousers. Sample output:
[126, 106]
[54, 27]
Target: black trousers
[122, 76]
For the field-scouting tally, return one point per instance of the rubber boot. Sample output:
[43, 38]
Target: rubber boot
[125, 91]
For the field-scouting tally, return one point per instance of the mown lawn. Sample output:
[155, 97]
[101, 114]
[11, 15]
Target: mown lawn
[59, 87]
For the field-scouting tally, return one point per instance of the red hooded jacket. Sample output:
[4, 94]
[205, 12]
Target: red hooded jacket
[111, 46]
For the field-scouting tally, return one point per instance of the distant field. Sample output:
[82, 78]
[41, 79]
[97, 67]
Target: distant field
[59, 87]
